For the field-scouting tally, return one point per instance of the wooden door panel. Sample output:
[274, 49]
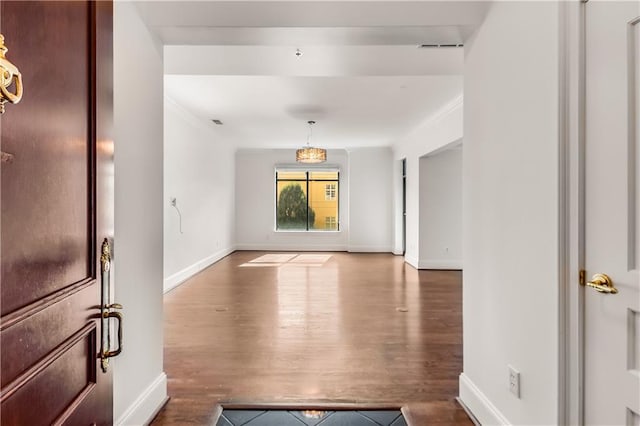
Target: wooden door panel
[38, 335]
[57, 206]
[59, 381]
[47, 239]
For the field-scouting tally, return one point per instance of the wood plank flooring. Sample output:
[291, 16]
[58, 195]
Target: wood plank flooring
[331, 330]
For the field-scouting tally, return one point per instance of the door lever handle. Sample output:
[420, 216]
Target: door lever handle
[602, 283]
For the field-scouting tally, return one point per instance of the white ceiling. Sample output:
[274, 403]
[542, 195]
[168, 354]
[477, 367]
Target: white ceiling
[316, 61]
[272, 111]
[361, 76]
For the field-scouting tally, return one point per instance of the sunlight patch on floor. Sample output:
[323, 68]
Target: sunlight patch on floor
[259, 265]
[274, 258]
[311, 258]
[287, 259]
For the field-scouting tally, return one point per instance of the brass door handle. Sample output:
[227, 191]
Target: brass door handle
[106, 351]
[107, 309]
[9, 74]
[117, 315]
[602, 283]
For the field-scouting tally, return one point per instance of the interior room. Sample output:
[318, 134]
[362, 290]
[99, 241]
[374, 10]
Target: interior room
[519, 202]
[320, 212]
[232, 123]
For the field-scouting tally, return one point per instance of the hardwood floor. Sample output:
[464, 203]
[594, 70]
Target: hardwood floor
[356, 329]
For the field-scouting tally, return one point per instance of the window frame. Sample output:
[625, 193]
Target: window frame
[307, 172]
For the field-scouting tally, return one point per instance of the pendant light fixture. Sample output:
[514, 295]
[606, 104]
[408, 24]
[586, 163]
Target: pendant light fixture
[309, 154]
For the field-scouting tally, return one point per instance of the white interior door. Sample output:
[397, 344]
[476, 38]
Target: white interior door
[612, 233]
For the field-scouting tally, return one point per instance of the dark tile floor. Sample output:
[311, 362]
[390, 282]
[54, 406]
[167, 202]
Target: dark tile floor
[310, 418]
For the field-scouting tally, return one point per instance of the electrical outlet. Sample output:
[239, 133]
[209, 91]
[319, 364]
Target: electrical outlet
[173, 201]
[514, 381]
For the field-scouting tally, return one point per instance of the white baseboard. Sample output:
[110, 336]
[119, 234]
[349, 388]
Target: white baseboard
[411, 261]
[181, 276]
[479, 405]
[290, 247]
[469, 413]
[369, 249]
[398, 252]
[147, 405]
[440, 264]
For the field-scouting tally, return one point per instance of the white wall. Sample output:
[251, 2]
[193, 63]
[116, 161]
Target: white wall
[199, 173]
[139, 381]
[511, 214]
[370, 200]
[256, 197]
[441, 210]
[441, 130]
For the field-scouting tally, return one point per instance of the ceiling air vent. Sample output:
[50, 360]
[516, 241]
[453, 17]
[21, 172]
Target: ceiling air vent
[435, 46]
[218, 122]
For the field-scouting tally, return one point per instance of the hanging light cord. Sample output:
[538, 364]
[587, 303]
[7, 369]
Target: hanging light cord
[311, 123]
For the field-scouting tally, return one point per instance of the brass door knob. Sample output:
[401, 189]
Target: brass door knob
[602, 283]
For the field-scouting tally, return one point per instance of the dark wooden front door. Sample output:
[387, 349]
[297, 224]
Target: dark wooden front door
[57, 207]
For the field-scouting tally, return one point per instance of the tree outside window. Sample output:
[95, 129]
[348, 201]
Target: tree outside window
[293, 212]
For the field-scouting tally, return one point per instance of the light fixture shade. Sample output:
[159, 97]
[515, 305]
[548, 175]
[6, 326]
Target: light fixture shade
[311, 155]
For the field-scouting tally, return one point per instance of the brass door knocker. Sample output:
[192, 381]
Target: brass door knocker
[9, 75]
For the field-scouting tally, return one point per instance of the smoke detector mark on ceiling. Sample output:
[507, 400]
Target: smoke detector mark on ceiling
[218, 122]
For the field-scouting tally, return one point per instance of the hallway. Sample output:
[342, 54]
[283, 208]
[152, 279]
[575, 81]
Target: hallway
[331, 329]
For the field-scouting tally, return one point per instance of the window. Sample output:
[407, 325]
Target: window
[307, 200]
[330, 190]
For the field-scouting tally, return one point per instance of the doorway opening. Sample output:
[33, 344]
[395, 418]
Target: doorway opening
[440, 209]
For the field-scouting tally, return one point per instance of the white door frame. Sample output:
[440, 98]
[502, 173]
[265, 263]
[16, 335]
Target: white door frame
[571, 221]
